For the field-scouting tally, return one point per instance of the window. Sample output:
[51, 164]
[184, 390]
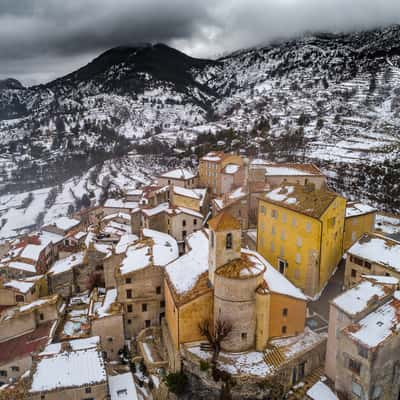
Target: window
[228, 243]
[194, 221]
[128, 280]
[284, 329]
[274, 214]
[332, 222]
[272, 246]
[42, 396]
[283, 235]
[273, 230]
[284, 218]
[299, 241]
[19, 298]
[129, 293]
[144, 307]
[41, 316]
[129, 308]
[110, 339]
[353, 236]
[298, 258]
[282, 266]
[158, 289]
[184, 233]
[356, 260]
[354, 366]
[362, 351]
[282, 252]
[212, 239]
[294, 222]
[308, 227]
[15, 369]
[129, 321]
[285, 312]
[367, 265]
[147, 323]
[184, 222]
[3, 373]
[244, 335]
[263, 210]
[162, 303]
[353, 273]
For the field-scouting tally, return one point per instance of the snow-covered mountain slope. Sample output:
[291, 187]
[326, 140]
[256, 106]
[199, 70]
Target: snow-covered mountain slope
[330, 99]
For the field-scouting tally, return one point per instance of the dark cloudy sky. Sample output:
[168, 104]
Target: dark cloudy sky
[43, 39]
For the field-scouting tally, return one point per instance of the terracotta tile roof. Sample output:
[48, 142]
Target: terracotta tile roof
[303, 199]
[240, 268]
[25, 344]
[223, 222]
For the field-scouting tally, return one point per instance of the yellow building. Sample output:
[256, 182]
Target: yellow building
[217, 280]
[221, 172]
[300, 232]
[360, 219]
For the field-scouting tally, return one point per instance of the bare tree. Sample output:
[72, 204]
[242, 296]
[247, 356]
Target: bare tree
[215, 336]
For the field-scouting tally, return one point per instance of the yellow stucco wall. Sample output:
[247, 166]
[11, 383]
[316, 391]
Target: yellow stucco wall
[295, 319]
[301, 240]
[183, 322]
[355, 227]
[183, 201]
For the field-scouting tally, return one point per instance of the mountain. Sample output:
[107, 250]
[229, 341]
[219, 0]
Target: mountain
[329, 99]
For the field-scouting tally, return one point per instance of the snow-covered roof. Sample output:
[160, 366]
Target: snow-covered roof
[22, 266]
[37, 303]
[125, 241]
[66, 223]
[122, 387]
[355, 209]
[192, 193]
[184, 272]
[377, 326]
[299, 198]
[160, 251]
[120, 203]
[65, 264]
[20, 286]
[50, 237]
[358, 298]
[77, 344]
[188, 211]
[230, 198]
[382, 279]
[179, 173]
[160, 208]
[276, 282]
[69, 369]
[377, 249]
[231, 169]
[321, 391]
[286, 169]
[109, 299]
[388, 224]
[32, 251]
[213, 156]
[119, 215]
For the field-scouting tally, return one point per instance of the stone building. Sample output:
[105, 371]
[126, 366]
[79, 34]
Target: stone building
[218, 282]
[221, 172]
[182, 177]
[300, 233]
[64, 226]
[236, 203]
[350, 307]
[360, 219]
[277, 174]
[19, 291]
[107, 322]
[70, 370]
[64, 276]
[23, 330]
[372, 254]
[367, 362]
[139, 280]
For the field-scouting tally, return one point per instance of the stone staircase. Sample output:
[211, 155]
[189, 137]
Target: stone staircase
[299, 391]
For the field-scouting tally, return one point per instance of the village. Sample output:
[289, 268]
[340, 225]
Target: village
[242, 279]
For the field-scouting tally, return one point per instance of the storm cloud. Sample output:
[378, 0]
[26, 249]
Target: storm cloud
[43, 39]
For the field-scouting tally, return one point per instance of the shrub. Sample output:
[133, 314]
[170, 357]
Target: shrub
[176, 382]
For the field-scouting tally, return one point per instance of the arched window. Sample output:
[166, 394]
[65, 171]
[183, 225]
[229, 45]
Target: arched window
[228, 244]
